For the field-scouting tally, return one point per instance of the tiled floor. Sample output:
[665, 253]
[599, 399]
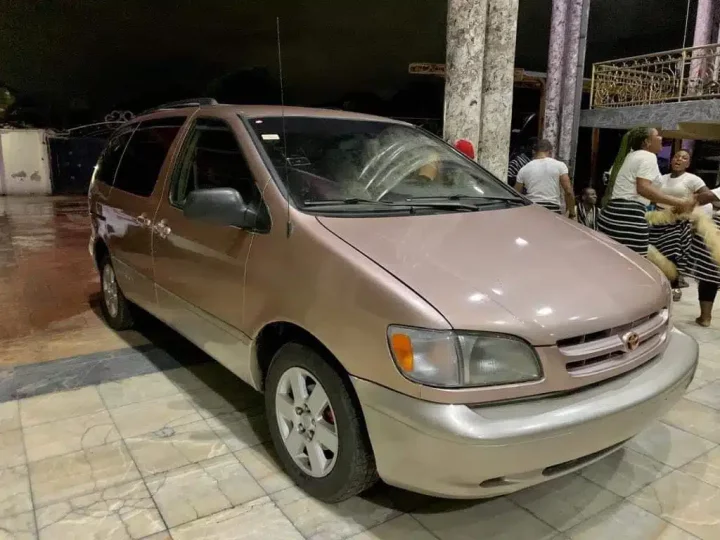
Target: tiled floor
[181, 452]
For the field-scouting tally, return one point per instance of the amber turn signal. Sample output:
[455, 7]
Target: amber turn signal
[403, 351]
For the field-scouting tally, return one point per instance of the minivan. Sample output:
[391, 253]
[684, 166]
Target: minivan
[408, 316]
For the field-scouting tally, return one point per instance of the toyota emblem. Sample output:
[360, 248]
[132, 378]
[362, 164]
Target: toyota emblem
[631, 341]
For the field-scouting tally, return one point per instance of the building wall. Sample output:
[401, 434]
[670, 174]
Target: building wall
[24, 167]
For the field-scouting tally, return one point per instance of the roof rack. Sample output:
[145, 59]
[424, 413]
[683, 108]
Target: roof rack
[195, 102]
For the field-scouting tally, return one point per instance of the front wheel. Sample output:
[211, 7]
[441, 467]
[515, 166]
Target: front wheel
[316, 428]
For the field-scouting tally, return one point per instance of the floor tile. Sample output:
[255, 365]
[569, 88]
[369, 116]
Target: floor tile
[705, 468]
[708, 370]
[66, 436]
[695, 418]
[155, 415]
[697, 382]
[261, 463]
[497, 519]
[173, 447]
[210, 404]
[401, 528]
[185, 380]
[566, 501]
[9, 416]
[258, 520]
[18, 527]
[198, 490]
[669, 445]
[685, 502]
[124, 512]
[79, 473]
[12, 450]
[60, 405]
[627, 522]
[625, 472]
[319, 521]
[239, 431]
[136, 389]
[14, 492]
[707, 395]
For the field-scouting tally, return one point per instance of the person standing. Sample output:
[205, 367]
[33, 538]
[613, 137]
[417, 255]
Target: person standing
[520, 159]
[587, 208]
[632, 187]
[545, 179]
[673, 240]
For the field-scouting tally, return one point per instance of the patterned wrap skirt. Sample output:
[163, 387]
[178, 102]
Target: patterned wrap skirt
[624, 221]
[701, 265]
[673, 241]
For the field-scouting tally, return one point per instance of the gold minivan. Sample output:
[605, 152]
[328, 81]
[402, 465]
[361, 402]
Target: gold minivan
[408, 316]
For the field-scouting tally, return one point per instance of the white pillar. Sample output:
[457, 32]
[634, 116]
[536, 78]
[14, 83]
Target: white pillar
[466, 22]
[481, 37]
[569, 83]
[556, 59]
[498, 83]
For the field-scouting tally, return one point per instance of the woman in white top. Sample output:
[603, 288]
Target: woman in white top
[673, 240]
[632, 186]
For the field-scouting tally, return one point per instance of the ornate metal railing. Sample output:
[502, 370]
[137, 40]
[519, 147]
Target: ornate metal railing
[679, 75]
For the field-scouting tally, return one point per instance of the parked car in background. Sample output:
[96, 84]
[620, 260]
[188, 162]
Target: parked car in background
[407, 315]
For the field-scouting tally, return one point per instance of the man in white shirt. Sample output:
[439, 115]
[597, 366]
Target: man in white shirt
[544, 180]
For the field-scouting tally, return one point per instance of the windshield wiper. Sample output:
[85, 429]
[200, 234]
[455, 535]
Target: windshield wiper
[407, 205]
[481, 199]
[351, 200]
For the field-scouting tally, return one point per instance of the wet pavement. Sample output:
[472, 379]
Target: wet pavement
[49, 289]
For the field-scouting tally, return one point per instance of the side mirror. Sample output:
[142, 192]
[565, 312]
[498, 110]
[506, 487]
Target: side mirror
[221, 206]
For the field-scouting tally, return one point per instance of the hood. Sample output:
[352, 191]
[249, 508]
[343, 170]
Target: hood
[522, 271]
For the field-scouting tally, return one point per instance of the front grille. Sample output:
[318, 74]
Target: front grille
[603, 350]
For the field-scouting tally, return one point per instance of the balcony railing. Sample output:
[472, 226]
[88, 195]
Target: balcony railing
[679, 75]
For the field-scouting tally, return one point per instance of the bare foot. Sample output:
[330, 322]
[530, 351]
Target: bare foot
[703, 322]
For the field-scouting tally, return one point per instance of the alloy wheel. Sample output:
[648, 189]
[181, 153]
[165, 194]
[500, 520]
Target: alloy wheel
[306, 421]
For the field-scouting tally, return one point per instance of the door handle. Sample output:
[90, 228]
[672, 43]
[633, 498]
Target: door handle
[143, 220]
[161, 229]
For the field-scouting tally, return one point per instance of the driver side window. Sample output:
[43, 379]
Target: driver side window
[211, 158]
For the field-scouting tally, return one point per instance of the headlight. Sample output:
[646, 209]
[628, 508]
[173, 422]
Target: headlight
[455, 359]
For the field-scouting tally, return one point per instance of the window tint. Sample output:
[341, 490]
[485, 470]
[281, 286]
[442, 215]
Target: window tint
[212, 159]
[145, 154]
[110, 157]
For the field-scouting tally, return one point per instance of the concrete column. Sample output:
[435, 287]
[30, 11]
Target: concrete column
[701, 36]
[481, 37]
[556, 53]
[498, 83]
[570, 74]
[466, 22]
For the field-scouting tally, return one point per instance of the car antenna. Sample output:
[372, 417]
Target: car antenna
[282, 115]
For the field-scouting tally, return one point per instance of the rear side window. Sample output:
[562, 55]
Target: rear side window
[145, 154]
[110, 157]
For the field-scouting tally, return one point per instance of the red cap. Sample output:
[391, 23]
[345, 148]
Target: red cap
[466, 147]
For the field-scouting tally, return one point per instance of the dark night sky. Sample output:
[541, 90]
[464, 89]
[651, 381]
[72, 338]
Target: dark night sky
[103, 53]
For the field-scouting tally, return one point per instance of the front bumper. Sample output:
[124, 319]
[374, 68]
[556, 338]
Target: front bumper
[462, 451]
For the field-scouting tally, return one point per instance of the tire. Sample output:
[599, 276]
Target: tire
[353, 464]
[118, 315]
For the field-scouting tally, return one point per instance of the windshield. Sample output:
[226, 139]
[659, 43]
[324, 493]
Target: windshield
[321, 160]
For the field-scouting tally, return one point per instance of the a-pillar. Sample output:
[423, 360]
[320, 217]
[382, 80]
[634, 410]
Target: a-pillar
[481, 37]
